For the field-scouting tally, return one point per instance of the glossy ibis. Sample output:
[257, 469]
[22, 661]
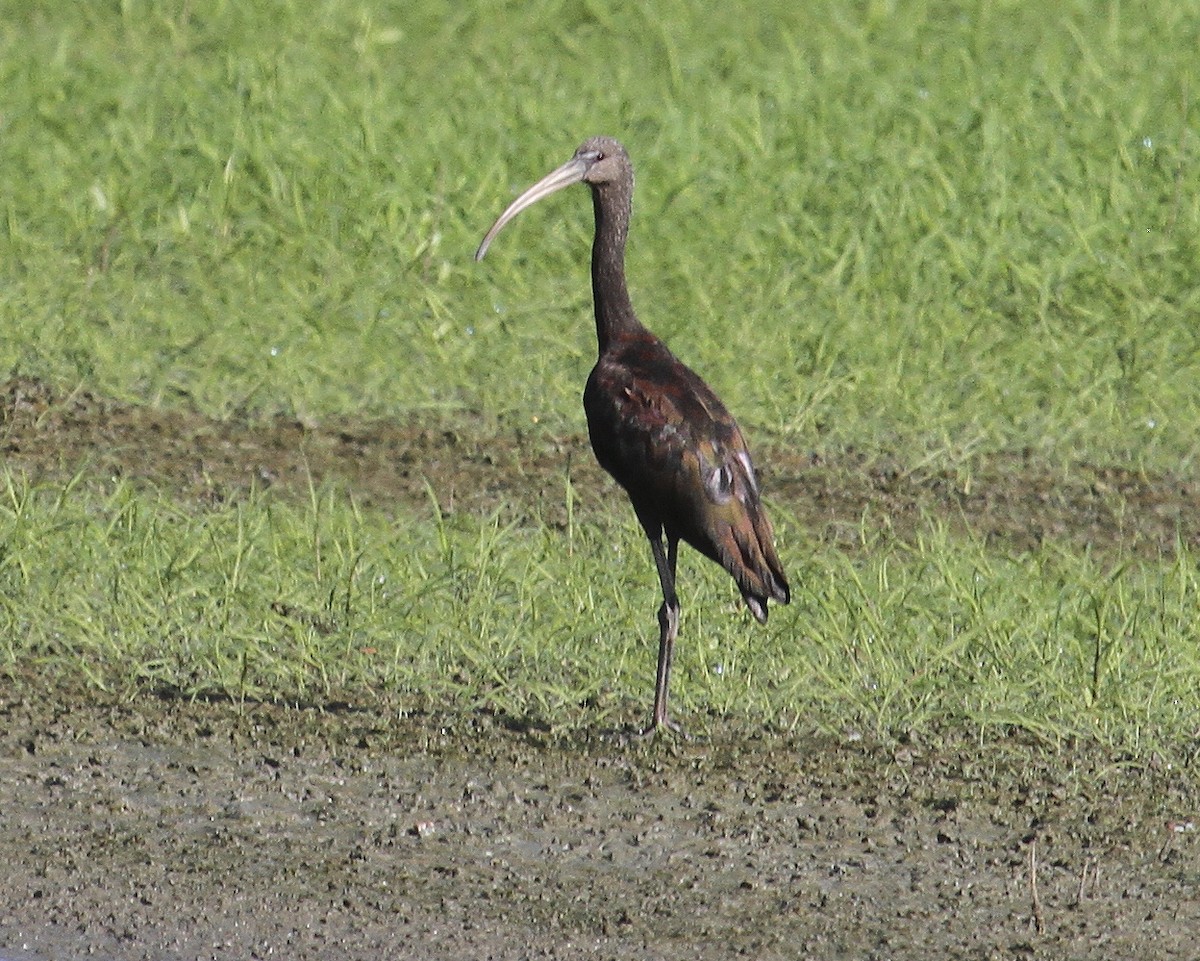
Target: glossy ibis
[655, 426]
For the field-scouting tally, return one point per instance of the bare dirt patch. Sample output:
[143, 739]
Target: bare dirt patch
[169, 829]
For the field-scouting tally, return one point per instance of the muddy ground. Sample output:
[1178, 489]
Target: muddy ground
[164, 828]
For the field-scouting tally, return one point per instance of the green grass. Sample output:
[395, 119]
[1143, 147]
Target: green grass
[941, 226]
[929, 229]
[319, 602]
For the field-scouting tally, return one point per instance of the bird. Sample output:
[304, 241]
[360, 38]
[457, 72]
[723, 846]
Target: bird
[656, 427]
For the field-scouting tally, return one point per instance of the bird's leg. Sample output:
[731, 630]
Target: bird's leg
[668, 625]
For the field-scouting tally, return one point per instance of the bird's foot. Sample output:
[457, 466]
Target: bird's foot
[658, 723]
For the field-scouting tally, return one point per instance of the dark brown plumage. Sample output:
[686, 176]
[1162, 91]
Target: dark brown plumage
[655, 426]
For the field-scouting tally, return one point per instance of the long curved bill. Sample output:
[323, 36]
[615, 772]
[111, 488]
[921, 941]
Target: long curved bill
[572, 172]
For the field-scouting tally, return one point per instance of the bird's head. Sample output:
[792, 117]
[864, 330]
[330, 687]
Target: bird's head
[598, 161]
[605, 159]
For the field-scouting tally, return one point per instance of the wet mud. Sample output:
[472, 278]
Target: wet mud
[177, 830]
[162, 828]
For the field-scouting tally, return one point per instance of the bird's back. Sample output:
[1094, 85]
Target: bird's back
[663, 434]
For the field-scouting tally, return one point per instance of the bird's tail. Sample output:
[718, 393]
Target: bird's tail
[756, 566]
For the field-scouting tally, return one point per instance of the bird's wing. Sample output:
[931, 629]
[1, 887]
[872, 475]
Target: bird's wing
[655, 422]
[669, 441]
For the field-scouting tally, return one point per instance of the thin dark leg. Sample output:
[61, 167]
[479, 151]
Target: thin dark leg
[668, 625]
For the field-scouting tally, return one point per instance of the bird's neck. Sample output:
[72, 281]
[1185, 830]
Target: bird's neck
[614, 310]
